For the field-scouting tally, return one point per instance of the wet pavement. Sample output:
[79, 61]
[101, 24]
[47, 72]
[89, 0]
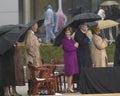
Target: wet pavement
[22, 90]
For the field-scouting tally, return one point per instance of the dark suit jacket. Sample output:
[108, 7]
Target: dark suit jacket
[83, 52]
[117, 51]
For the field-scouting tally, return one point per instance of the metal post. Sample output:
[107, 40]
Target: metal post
[60, 4]
[26, 4]
[34, 9]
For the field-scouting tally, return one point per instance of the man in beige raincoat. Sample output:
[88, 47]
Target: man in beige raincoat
[32, 46]
[32, 50]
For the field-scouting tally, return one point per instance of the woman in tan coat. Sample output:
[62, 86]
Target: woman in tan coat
[99, 56]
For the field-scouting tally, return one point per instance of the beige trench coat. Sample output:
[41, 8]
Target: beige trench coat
[32, 50]
[99, 56]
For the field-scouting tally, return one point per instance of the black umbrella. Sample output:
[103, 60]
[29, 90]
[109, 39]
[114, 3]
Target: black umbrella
[61, 34]
[75, 22]
[6, 28]
[30, 24]
[39, 21]
[92, 24]
[8, 39]
[16, 33]
[83, 17]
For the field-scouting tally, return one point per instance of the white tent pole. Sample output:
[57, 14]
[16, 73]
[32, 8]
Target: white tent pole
[60, 4]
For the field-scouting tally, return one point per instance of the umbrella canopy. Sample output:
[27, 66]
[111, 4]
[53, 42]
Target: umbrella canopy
[61, 34]
[8, 39]
[6, 28]
[103, 24]
[74, 23]
[30, 24]
[14, 34]
[109, 3]
[39, 21]
[83, 17]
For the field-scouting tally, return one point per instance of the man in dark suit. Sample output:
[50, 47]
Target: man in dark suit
[83, 51]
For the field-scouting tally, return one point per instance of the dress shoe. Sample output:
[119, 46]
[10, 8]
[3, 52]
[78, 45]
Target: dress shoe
[15, 94]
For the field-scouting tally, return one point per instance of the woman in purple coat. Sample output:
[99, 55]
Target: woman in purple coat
[70, 57]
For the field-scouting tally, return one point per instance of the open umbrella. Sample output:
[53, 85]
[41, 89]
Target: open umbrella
[6, 28]
[103, 24]
[8, 39]
[74, 23]
[61, 34]
[83, 17]
[109, 3]
[16, 33]
[39, 21]
[30, 24]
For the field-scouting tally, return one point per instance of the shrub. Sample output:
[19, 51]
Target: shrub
[110, 52]
[49, 52]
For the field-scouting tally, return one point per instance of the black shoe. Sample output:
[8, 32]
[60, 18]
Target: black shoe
[15, 94]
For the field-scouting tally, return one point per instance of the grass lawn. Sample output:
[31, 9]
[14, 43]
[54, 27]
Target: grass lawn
[49, 51]
[110, 52]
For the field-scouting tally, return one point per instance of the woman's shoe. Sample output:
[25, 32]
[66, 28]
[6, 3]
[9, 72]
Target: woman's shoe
[70, 91]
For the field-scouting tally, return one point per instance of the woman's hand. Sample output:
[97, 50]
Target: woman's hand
[105, 39]
[76, 44]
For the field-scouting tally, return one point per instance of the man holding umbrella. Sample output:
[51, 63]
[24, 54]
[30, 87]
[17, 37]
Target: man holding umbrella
[83, 52]
[32, 48]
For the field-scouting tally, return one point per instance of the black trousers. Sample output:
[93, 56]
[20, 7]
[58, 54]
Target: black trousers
[1, 91]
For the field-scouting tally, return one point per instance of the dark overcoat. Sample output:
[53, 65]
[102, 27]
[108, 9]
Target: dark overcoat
[7, 72]
[117, 51]
[83, 51]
